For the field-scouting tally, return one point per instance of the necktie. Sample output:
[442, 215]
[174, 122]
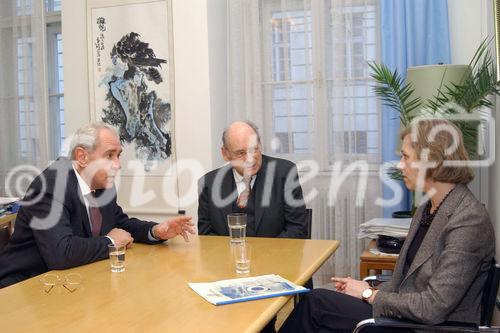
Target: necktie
[95, 214]
[243, 198]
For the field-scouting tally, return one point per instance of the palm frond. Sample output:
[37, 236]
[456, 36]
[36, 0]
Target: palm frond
[394, 173]
[478, 85]
[393, 92]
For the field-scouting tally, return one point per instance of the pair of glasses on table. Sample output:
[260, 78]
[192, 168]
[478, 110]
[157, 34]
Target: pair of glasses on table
[70, 282]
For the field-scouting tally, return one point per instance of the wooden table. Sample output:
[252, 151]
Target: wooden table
[8, 220]
[153, 295]
[368, 261]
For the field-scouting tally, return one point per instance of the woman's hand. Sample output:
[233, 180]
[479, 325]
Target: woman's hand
[350, 286]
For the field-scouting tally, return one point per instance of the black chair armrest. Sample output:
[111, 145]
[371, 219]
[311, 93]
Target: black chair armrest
[389, 324]
[375, 280]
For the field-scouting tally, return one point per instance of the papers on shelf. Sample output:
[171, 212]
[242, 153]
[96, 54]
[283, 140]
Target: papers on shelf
[384, 226]
[378, 253]
[246, 289]
[8, 200]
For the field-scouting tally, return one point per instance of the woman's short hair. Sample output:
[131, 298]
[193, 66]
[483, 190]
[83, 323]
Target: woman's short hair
[442, 141]
[87, 137]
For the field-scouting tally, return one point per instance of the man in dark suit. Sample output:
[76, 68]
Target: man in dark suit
[267, 189]
[70, 215]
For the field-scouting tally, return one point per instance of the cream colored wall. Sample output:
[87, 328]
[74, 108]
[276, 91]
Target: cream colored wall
[468, 21]
[192, 86]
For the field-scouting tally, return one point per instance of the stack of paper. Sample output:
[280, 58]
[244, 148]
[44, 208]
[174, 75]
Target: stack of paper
[8, 200]
[246, 289]
[5, 204]
[384, 226]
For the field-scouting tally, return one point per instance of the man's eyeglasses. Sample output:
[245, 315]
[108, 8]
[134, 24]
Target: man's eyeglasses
[71, 282]
[240, 154]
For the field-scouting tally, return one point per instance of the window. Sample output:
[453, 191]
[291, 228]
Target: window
[290, 86]
[316, 78]
[28, 122]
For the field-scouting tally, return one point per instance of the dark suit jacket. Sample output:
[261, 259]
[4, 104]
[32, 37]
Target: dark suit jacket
[446, 278]
[279, 205]
[52, 229]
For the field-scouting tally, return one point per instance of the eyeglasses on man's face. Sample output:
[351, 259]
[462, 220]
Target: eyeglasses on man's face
[242, 154]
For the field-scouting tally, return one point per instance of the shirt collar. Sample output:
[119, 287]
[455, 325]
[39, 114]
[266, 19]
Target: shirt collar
[239, 178]
[84, 187]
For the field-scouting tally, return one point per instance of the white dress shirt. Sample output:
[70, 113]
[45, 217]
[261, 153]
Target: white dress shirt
[240, 184]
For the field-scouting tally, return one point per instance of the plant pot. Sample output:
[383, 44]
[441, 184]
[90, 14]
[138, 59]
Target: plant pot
[389, 244]
[402, 214]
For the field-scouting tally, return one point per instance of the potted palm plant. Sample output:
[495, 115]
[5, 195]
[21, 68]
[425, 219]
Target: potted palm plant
[474, 91]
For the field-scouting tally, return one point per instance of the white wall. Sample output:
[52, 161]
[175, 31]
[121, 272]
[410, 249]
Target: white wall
[217, 48]
[193, 119]
[468, 21]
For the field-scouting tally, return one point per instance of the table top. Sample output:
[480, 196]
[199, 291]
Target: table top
[7, 218]
[153, 295]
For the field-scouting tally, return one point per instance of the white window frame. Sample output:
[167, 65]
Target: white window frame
[318, 117]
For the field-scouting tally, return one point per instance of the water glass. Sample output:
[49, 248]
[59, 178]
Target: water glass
[117, 257]
[237, 223]
[242, 254]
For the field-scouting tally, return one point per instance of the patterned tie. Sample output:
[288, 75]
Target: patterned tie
[95, 214]
[243, 198]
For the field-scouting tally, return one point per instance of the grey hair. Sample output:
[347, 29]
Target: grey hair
[87, 137]
[249, 123]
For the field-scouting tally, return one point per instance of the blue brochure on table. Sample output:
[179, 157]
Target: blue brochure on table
[246, 289]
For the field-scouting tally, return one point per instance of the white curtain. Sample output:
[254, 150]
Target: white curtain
[23, 88]
[298, 69]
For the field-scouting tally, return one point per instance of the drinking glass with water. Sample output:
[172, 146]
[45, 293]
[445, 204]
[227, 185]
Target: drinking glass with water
[237, 223]
[242, 255]
[117, 257]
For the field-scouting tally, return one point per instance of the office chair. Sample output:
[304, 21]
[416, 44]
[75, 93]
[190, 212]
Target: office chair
[309, 213]
[4, 236]
[488, 303]
[309, 283]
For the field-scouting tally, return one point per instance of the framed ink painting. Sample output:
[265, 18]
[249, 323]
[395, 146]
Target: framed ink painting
[131, 78]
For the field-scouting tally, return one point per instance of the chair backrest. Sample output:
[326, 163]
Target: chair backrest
[490, 294]
[309, 213]
[4, 236]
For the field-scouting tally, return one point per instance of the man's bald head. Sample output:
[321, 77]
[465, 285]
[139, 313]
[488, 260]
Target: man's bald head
[241, 146]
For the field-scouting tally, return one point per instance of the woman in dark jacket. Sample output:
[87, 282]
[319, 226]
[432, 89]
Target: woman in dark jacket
[444, 262]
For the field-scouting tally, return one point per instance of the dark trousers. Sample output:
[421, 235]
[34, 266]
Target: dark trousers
[325, 310]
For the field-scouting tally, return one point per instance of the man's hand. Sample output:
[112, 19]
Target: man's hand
[180, 225]
[121, 237]
[350, 286]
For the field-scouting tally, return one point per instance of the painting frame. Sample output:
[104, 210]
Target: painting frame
[160, 159]
[496, 12]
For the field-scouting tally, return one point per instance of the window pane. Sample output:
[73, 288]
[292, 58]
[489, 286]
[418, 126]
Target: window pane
[353, 109]
[52, 5]
[344, 44]
[291, 109]
[23, 7]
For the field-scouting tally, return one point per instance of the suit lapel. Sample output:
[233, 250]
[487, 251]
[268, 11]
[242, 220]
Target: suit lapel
[84, 216]
[258, 190]
[426, 249]
[404, 250]
[228, 187]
